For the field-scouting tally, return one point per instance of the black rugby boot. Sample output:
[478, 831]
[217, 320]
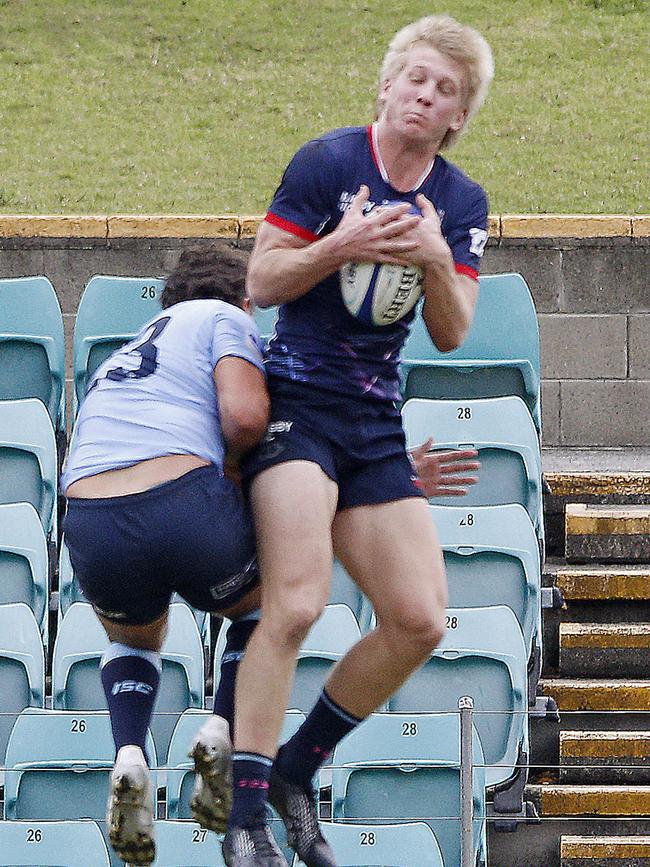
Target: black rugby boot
[297, 808]
[252, 846]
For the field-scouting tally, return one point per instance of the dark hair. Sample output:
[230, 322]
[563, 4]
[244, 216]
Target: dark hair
[207, 271]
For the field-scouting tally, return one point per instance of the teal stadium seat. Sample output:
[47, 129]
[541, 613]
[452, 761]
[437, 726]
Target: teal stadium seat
[187, 844]
[22, 667]
[28, 468]
[329, 639]
[499, 357]
[58, 764]
[406, 767]
[32, 349]
[502, 431]
[482, 655]
[24, 564]
[491, 558]
[80, 644]
[265, 320]
[112, 310]
[53, 844]
[404, 845]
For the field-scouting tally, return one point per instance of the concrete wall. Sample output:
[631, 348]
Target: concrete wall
[590, 277]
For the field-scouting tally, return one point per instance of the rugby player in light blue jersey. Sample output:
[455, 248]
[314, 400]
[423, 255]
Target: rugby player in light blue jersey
[153, 510]
[333, 476]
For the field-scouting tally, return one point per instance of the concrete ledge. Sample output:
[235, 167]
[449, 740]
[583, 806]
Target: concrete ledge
[581, 484]
[57, 226]
[599, 745]
[607, 533]
[565, 226]
[189, 226]
[604, 649]
[605, 635]
[543, 226]
[598, 695]
[604, 583]
[602, 851]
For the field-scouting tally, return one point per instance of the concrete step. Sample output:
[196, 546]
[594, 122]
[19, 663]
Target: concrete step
[613, 757]
[594, 695]
[604, 649]
[605, 851]
[568, 801]
[603, 583]
[607, 534]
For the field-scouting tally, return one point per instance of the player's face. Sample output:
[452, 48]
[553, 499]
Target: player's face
[427, 97]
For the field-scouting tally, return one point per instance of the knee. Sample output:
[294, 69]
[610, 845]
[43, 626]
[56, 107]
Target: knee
[418, 633]
[290, 623]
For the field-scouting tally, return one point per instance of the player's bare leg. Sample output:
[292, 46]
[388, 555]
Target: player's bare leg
[393, 552]
[130, 673]
[294, 504]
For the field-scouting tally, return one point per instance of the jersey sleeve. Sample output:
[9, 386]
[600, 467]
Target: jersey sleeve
[302, 204]
[235, 334]
[467, 233]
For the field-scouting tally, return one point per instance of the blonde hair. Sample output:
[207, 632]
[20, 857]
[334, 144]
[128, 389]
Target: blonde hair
[462, 44]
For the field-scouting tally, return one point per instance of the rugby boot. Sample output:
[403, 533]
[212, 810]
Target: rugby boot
[297, 808]
[212, 753]
[130, 808]
[252, 846]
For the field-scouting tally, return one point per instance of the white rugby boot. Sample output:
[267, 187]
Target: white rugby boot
[130, 808]
[212, 753]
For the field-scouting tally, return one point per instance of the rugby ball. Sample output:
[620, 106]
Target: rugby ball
[380, 294]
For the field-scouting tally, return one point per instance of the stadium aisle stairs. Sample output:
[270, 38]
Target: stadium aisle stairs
[590, 775]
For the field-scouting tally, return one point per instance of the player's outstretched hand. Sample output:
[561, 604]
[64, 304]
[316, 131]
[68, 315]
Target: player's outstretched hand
[384, 235]
[445, 473]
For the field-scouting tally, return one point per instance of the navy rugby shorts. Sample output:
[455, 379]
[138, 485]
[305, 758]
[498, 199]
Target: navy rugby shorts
[193, 535]
[359, 444]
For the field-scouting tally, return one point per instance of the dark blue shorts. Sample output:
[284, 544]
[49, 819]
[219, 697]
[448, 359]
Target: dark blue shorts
[359, 444]
[193, 535]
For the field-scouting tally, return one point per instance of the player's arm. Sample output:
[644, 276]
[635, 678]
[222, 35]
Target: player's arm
[284, 266]
[449, 297]
[243, 402]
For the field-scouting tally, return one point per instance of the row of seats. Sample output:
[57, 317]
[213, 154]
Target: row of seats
[399, 768]
[485, 394]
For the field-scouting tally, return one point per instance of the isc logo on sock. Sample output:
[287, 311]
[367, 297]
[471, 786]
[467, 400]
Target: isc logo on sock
[132, 686]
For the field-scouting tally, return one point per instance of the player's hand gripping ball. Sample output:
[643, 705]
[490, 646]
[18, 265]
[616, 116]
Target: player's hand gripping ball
[381, 294]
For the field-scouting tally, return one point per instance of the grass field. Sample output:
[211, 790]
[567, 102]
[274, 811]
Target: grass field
[195, 106]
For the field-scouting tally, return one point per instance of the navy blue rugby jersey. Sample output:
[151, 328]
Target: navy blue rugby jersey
[317, 341]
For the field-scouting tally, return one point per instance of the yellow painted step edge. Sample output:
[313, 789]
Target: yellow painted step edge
[605, 847]
[595, 800]
[605, 635]
[603, 745]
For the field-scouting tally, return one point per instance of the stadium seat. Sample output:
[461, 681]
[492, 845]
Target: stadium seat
[180, 778]
[357, 845]
[80, 644]
[502, 431]
[22, 667]
[483, 655]
[111, 312]
[398, 767]
[265, 320]
[491, 558]
[52, 844]
[58, 764]
[32, 353]
[24, 563]
[499, 357]
[186, 844]
[335, 631]
[28, 469]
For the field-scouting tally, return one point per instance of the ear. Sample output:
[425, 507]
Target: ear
[384, 89]
[247, 305]
[459, 120]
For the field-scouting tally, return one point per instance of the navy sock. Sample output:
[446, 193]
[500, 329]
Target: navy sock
[130, 678]
[237, 637]
[250, 777]
[302, 755]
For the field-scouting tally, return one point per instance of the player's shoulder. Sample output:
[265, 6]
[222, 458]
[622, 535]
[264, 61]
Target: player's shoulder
[207, 311]
[454, 190]
[456, 179]
[337, 142]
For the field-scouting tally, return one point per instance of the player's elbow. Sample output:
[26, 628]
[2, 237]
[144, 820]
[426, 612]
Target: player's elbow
[258, 287]
[245, 425]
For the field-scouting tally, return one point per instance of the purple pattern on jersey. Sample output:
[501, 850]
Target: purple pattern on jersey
[317, 340]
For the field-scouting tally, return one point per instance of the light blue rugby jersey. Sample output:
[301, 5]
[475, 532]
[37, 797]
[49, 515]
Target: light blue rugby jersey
[156, 395]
